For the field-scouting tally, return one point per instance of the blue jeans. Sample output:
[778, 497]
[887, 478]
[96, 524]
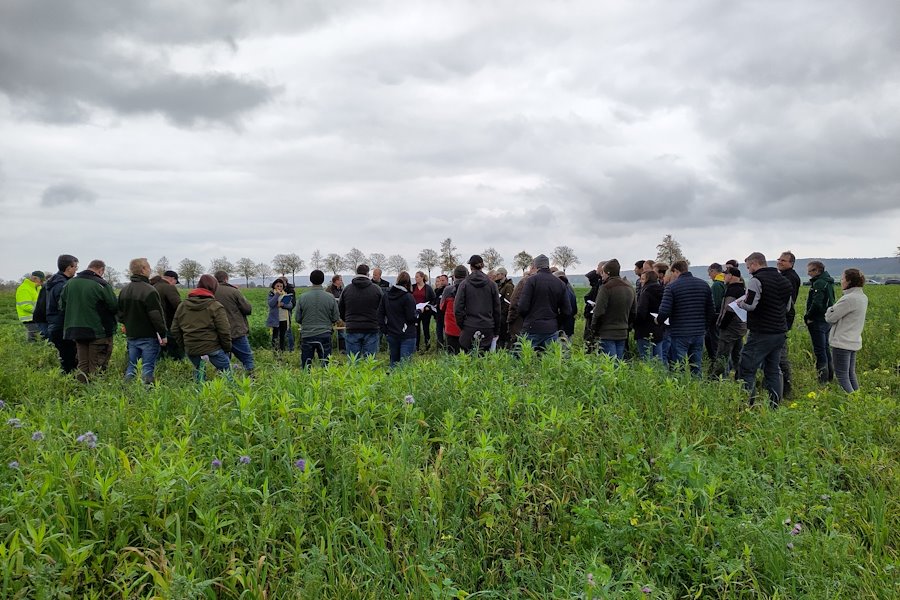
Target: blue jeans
[690, 347]
[647, 349]
[310, 345]
[146, 349]
[289, 337]
[400, 348]
[614, 348]
[540, 341]
[763, 349]
[362, 343]
[218, 359]
[845, 369]
[818, 335]
[240, 347]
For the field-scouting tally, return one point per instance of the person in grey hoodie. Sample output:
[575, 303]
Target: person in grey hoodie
[477, 308]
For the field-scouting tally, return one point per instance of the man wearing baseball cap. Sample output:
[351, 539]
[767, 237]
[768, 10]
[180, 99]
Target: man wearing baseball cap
[477, 308]
[170, 297]
[26, 299]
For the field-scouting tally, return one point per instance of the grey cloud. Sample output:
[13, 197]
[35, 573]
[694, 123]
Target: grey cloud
[67, 193]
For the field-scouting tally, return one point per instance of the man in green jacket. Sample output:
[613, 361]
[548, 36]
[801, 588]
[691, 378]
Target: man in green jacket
[201, 327]
[89, 305]
[316, 312]
[141, 312]
[820, 299]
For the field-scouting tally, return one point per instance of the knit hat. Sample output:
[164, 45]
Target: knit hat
[476, 260]
[733, 271]
[39, 274]
[208, 282]
[503, 271]
[460, 272]
[541, 262]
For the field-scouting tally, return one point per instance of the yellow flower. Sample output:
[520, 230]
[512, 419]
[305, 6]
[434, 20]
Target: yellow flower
[794, 405]
[811, 395]
[634, 521]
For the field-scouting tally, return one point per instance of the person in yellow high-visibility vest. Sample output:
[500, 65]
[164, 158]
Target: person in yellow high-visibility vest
[26, 301]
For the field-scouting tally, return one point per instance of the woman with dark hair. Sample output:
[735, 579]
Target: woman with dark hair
[847, 318]
[648, 334]
[201, 327]
[280, 305]
[397, 319]
[425, 305]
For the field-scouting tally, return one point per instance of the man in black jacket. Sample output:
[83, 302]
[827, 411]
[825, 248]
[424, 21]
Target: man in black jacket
[141, 312]
[590, 299]
[542, 302]
[477, 308]
[68, 266]
[358, 306]
[170, 298]
[785, 264]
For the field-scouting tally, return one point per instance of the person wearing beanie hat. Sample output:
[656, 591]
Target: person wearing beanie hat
[26, 300]
[447, 302]
[201, 327]
[477, 308]
[543, 302]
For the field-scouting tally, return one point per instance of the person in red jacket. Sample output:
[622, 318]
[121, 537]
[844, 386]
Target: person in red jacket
[448, 298]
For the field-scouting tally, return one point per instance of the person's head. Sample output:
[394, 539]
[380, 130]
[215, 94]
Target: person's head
[612, 268]
[460, 273]
[221, 276]
[337, 281]
[541, 262]
[139, 266]
[732, 262]
[648, 265]
[852, 278]
[37, 277]
[278, 285]
[678, 268]
[638, 267]
[208, 282]
[732, 275]
[404, 281]
[317, 277]
[756, 261]
[502, 274]
[376, 274]
[476, 262]
[362, 270]
[714, 270]
[814, 268]
[492, 275]
[661, 269]
[441, 280]
[97, 266]
[561, 275]
[648, 277]
[67, 264]
[785, 261]
[171, 277]
[421, 278]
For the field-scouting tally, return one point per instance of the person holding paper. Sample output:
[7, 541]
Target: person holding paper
[647, 332]
[280, 303]
[732, 328]
[426, 304]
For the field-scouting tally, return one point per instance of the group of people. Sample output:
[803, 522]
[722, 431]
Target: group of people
[671, 315]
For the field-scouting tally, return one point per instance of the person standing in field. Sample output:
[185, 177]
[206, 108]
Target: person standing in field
[277, 320]
[785, 265]
[316, 313]
[767, 302]
[687, 304]
[336, 288]
[847, 318]
[648, 334]
[448, 299]
[170, 298]
[423, 294]
[590, 299]
[238, 308]
[26, 300]
[515, 320]
[543, 301]
[141, 312]
[201, 327]
[566, 323]
[505, 288]
[89, 306]
[397, 317]
[731, 328]
[377, 280]
[440, 284]
[358, 307]
[67, 265]
[638, 271]
[716, 276]
[819, 300]
[614, 311]
[477, 308]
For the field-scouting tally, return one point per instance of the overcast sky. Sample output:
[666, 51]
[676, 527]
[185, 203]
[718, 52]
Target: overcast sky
[249, 128]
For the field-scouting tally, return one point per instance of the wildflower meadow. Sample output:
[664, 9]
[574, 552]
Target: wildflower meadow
[555, 475]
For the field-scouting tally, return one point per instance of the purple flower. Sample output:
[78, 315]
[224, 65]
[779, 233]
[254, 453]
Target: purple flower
[646, 589]
[790, 545]
[14, 423]
[14, 464]
[300, 464]
[216, 463]
[797, 529]
[590, 580]
[244, 460]
[89, 438]
[2, 404]
[409, 399]
[37, 436]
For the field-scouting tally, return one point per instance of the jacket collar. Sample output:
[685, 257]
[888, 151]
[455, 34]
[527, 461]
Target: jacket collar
[201, 293]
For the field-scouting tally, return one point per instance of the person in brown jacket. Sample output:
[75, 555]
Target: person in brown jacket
[201, 327]
[168, 294]
[238, 308]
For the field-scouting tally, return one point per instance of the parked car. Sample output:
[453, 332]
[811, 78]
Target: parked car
[892, 282]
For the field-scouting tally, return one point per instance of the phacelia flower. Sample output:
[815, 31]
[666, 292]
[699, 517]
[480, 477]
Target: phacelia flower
[797, 529]
[14, 423]
[590, 580]
[37, 436]
[646, 589]
[216, 463]
[2, 404]
[409, 399]
[14, 464]
[244, 460]
[790, 545]
[300, 464]
[88, 438]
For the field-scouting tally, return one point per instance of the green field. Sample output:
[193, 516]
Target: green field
[552, 476]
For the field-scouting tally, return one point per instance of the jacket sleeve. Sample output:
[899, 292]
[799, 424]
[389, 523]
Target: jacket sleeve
[600, 308]
[523, 307]
[496, 308]
[380, 314]
[838, 310]
[754, 293]
[244, 305]
[176, 332]
[342, 307]
[410, 310]
[273, 300]
[298, 311]
[665, 307]
[459, 305]
[155, 313]
[430, 296]
[818, 300]
[110, 300]
[223, 327]
[333, 312]
[710, 309]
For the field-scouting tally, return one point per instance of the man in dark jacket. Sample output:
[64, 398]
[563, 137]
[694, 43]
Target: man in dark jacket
[647, 332]
[614, 311]
[687, 304]
[201, 327]
[89, 306]
[590, 299]
[505, 288]
[170, 298]
[542, 302]
[785, 265]
[767, 302]
[477, 308]
[238, 308]
[68, 266]
[358, 307]
[377, 280]
[441, 282]
[141, 312]
[820, 299]
[717, 277]
[731, 328]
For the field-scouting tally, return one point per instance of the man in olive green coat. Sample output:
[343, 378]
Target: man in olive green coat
[201, 327]
[89, 305]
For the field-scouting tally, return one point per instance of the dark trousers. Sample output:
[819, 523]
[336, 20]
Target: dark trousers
[172, 349]
[310, 345]
[728, 354]
[278, 336]
[68, 355]
[787, 380]
[818, 335]
[423, 329]
[845, 369]
[711, 341]
[467, 338]
[93, 357]
[763, 350]
[439, 328]
[453, 344]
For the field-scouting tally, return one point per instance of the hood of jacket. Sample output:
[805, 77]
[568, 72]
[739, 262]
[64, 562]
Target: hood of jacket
[199, 299]
[361, 281]
[824, 277]
[139, 278]
[396, 292]
[88, 274]
[477, 279]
